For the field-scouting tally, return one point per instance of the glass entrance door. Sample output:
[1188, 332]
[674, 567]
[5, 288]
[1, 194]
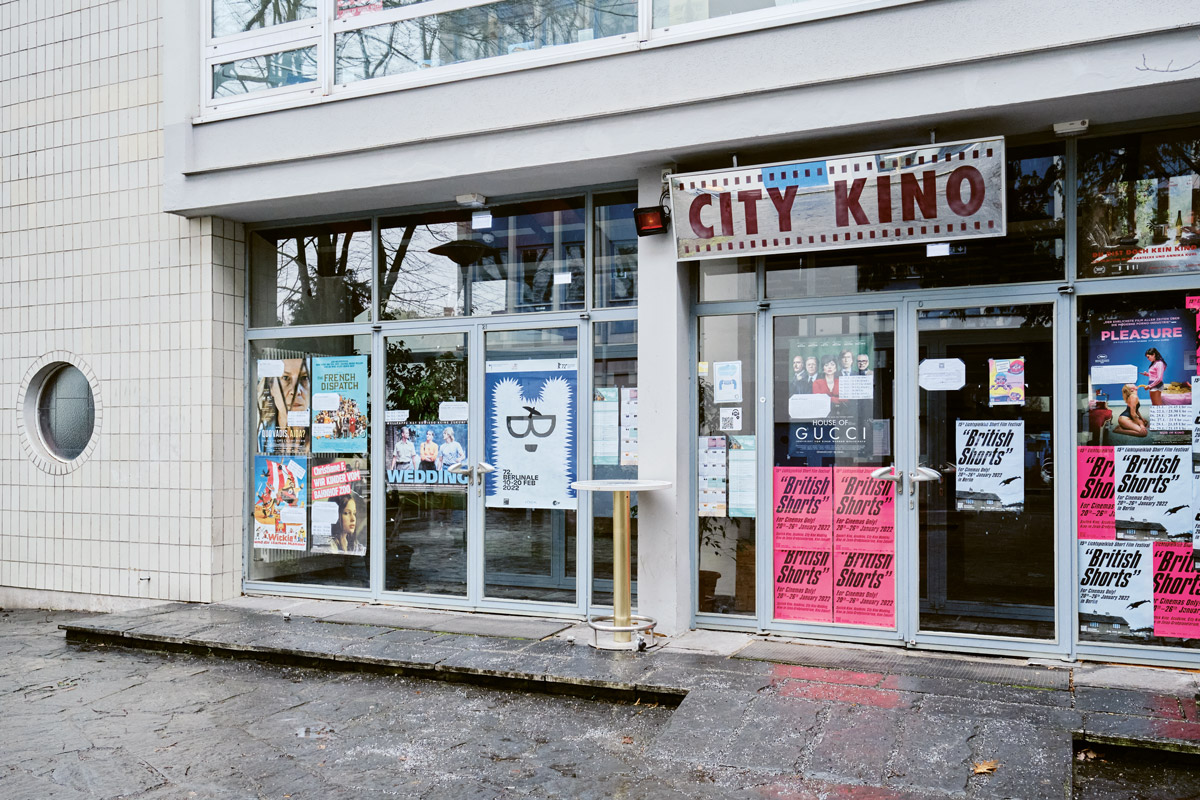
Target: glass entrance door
[834, 480]
[911, 488]
[985, 470]
[482, 429]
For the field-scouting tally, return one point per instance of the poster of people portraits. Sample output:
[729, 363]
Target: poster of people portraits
[530, 438]
[339, 404]
[282, 394]
[425, 453]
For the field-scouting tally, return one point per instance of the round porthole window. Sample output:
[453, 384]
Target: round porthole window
[58, 412]
[66, 412]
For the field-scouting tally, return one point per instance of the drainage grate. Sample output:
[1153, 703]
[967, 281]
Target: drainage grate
[1129, 772]
[905, 664]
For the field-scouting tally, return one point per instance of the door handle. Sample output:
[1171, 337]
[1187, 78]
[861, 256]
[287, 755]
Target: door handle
[922, 475]
[890, 474]
[462, 469]
[484, 468]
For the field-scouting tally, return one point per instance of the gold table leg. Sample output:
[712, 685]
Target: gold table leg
[621, 588]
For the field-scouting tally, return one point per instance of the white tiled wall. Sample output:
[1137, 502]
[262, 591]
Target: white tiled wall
[151, 302]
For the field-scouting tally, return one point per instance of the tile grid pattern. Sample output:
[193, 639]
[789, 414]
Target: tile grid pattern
[152, 303]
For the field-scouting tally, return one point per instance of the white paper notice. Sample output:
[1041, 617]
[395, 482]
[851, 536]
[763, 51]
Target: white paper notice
[322, 429]
[270, 368]
[605, 426]
[1170, 418]
[629, 447]
[942, 374]
[562, 277]
[713, 477]
[990, 467]
[325, 511]
[452, 412]
[326, 401]
[629, 406]
[289, 515]
[297, 470]
[743, 485]
[809, 406]
[731, 419]
[396, 415]
[297, 419]
[856, 387]
[322, 532]
[1115, 373]
[727, 380]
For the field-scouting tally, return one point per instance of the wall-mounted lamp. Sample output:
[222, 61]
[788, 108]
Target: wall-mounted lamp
[652, 220]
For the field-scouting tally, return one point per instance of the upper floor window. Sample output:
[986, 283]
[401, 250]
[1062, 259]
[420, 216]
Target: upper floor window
[283, 50]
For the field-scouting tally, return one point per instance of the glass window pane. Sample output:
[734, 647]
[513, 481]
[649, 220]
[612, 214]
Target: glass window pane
[1135, 462]
[471, 34]
[1138, 202]
[267, 71]
[986, 454]
[678, 12]
[614, 444]
[1033, 250]
[311, 275]
[531, 399]
[237, 16]
[833, 389]
[310, 472]
[66, 412]
[616, 249]
[426, 502]
[725, 465]
[727, 279]
[511, 259]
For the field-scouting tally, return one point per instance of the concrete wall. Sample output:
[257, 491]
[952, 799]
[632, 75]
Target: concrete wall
[968, 67]
[148, 304]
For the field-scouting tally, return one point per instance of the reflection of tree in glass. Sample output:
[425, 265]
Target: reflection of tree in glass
[238, 16]
[417, 284]
[479, 32]
[421, 381]
[323, 277]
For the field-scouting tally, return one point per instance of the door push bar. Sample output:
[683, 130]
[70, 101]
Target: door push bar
[480, 469]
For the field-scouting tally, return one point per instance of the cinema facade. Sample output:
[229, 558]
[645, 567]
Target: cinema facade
[917, 352]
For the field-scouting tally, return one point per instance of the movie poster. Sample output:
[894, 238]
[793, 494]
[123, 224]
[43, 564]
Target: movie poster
[864, 511]
[829, 437]
[842, 367]
[339, 404]
[1138, 227]
[804, 584]
[1140, 369]
[1116, 590]
[1006, 381]
[1096, 504]
[990, 465]
[283, 391]
[1154, 493]
[338, 514]
[280, 494]
[529, 413]
[420, 454]
[864, 588]
[802, 508]
[1176, 592]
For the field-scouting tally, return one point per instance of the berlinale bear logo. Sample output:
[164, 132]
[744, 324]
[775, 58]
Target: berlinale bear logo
[530, 437]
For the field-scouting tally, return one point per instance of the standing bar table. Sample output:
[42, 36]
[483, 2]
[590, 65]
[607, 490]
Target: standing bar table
[623, 621]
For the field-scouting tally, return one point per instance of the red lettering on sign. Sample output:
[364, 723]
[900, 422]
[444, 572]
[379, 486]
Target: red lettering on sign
[783, 206]
[913, 196]
[702, 230]
[883, 192]
[726, 201]
[847, 202]
[749, 201]
[954, 191]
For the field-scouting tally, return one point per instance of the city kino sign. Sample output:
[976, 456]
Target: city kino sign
[936, 192]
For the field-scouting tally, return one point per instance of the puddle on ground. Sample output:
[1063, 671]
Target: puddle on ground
[1115, 772]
